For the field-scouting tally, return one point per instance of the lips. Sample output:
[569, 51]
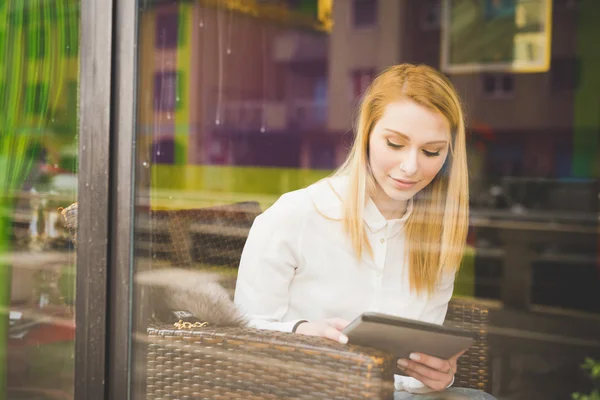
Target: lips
[403, 184]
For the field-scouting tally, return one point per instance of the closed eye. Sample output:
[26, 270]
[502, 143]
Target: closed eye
[393, 145]
[431, 153]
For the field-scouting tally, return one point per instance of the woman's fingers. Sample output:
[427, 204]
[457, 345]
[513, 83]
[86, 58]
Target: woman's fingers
[457, 355]
[330, 329]
[434, 384]
[424, 370]
[431, 361]
[334, 330]
[434, 372]
[339, 323]
[334, 334]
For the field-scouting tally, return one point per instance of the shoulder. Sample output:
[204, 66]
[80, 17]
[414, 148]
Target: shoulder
[327, 196]
[321, 199]
[289, 210]
[289, 203]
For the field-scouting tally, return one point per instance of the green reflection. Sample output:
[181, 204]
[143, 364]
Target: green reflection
[38, 117]
[586, 141]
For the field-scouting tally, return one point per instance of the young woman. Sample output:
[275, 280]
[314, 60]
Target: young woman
[385, 233]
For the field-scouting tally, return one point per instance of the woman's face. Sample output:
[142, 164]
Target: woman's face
[407, 148]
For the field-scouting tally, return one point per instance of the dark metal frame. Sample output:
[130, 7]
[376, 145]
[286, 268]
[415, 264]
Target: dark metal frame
[93, 189]
[122, 200]
[105, 197]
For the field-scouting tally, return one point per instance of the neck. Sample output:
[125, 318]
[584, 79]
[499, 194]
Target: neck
[389, 208]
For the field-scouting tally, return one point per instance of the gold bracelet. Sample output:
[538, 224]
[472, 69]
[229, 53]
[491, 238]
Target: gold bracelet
[189, 325]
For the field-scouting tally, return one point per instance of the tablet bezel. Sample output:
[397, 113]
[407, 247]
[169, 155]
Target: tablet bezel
[387, 319]
[443, 342]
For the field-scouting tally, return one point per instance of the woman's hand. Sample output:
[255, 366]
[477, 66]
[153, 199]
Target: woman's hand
[435, 373]
[327, 328]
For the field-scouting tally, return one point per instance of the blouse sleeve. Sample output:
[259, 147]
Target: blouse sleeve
[269, 262]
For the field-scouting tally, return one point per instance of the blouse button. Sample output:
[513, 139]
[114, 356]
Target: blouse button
[382, 240]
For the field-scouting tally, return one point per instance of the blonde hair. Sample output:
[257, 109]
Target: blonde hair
[436, 230]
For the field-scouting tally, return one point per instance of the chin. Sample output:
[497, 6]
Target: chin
[400, 195]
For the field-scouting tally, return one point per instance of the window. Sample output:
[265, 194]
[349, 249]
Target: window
[163, 151]
[38, 180]
[567, 5]
[359, 81]
[364, 13]
[499, 9]
[322, 155]
[564, 74]
[206, 170]
[498, 85]
[431, 14]
[167, 30]
[168, 91]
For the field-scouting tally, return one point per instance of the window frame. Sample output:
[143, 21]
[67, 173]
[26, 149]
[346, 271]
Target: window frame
[107, 68]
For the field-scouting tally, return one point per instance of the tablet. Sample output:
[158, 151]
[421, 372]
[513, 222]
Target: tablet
[401, 336]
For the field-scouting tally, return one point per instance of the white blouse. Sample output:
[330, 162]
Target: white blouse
[299, 264]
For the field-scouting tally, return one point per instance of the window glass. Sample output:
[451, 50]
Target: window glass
[242, 105]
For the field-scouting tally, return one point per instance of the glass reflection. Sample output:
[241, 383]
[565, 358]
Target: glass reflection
[242, 101]
[39, 82]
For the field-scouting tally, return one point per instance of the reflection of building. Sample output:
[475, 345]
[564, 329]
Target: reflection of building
[529, 125]
[217, 73]
[538, 120]
[288, 92]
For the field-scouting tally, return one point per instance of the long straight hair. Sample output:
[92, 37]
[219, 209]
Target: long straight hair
[436, 230]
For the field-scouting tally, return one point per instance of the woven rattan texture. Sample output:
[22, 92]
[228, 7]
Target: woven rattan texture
[239, 363]
[473, 366]
[250, 364]
[212, 236]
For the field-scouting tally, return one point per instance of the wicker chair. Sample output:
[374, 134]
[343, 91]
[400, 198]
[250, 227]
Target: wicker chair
[246, 363]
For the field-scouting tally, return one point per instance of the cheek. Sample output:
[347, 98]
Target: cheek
[431, 167]
[382, 160]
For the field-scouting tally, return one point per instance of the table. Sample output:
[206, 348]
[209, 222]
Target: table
[519, 238]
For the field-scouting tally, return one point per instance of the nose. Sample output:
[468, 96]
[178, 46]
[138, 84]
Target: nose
[409, 164]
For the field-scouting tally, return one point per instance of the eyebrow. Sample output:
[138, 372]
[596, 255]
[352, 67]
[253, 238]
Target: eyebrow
[407, 138]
